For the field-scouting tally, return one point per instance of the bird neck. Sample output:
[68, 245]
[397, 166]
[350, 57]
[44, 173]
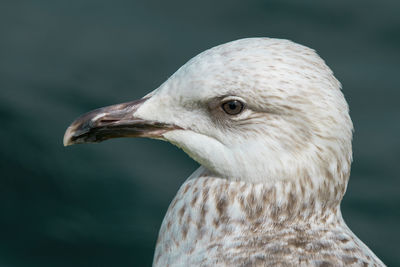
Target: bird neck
[282, 202]
[208, 209]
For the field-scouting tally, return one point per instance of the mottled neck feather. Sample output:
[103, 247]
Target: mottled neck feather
[301, 200]
[217, 222]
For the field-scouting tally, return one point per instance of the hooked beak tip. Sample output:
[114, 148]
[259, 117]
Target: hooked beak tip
[69, 133]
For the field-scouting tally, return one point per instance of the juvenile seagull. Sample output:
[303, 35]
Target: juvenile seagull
[268, 123]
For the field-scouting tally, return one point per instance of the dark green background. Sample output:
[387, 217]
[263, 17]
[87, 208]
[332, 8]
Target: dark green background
[102, 205]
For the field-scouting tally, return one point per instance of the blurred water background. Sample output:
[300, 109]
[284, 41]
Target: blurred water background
[102, 205]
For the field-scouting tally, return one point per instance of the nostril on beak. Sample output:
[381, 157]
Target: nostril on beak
[108, 120]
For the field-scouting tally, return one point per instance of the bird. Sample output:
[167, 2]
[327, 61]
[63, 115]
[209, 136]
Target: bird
[268, 123]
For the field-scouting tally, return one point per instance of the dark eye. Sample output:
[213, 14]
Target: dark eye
[232, 107]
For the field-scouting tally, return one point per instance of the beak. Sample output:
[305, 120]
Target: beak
[112, 122]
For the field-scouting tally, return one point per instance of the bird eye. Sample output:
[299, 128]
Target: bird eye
[233, 107]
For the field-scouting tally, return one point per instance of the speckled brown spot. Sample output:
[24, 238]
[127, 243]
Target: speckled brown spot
[275, 211]
[186, 188]
[349, 260]
[172, 206]
[292, 204]
[251, 198]
[205, 181]
[350, 249]
[308, 182]
[201, 221]
[205, 194]
[177, 242]
[324, 264]
[243, 188]
[302, 190]
[184, 231]
[193, 202]
[221, 205]
[181, 212]
[157, 258]
[298, 242]
[232, 193]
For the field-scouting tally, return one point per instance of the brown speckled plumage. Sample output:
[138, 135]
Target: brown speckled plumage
[215, 222]
[279, 203]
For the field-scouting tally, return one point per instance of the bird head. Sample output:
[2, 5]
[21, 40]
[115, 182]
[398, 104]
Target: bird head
[254, 110]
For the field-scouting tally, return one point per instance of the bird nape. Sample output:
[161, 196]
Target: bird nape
[268, 123]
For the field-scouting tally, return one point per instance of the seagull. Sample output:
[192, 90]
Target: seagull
[268, 123]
